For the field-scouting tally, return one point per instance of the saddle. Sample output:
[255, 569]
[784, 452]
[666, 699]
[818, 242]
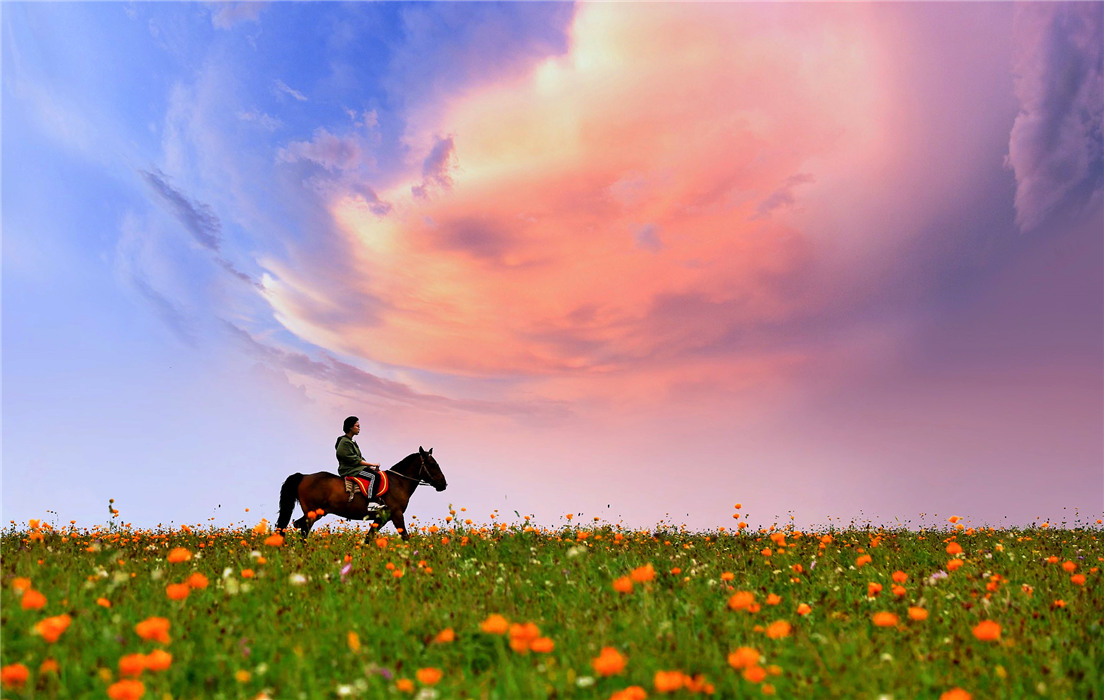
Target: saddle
[356, 483]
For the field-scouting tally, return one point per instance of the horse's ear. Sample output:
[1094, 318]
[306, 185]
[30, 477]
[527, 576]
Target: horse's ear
[430, 451]
[420, 450]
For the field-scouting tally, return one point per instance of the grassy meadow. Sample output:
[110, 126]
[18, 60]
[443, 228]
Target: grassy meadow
[582, 610]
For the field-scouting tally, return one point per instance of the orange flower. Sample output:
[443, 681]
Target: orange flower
[1078, 579]
[197, 580]
[404, 685]
[643, 574]
[178, 555]
[542, 645]
[494, 624]
[633, 692]
[779, 629]
[132, 665]
[728, 576]
[48, 666]
[954, 548]
[987, 631]
[741, 600]
[521, 635]
[178, 591]
[862, 560]
[247, 573]
[668, 681]
[955, 694]
[20, 584]
[353, 640]
[1069, 566]
[103, 602]
[429, 676]
[918, 614]
[274, 540]
[154, 629]
[743, 657]
[804, 609]
[445, 636]
[954, 565]
[14, 675]
[126, 690]
[953, 519]
[158, 660]
[608, 662]
[899, 591]
[623, 585]
[52, 627]
[900, 577]
[1052, 560]
[755, 674]
[33, 600]
[773, 599]
[884, 619]
[766, 552]
[873, 589]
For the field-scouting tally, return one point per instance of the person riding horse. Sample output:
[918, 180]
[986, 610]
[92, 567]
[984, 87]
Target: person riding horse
[350, 462]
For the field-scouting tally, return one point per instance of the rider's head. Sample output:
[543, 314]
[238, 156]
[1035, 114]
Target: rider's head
[349, 423]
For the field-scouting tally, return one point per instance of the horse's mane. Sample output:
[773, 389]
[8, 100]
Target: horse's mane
[405, 463]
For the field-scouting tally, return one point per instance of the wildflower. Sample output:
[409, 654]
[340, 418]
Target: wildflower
[633, 692]
[428, 676]
[773, 599]
[954, 565]
[804, 609]
[197, 580]
[954, 548]
[242, 676]
[353, 641]
[987, 631]
[274, 540]
[178, 591]
[20, 584]
[743, 657]
[126, 690]
[179, 555]
[917, 614]
[445, 636]
[873, 589]
[1078, 579]
[741, 600]
[766, 552]
[609, 662]
[154, 628]
[494, 624]
[884, 619]
[48, 666]
[953, 519]
[103, 602]
[955, 694]
[900, 577]
[643, 574]
[778, 629]
[297, 579]
[13, 675]
[754, 674]
[52, 627]
[623, 585]
[404, 685]
[728, 576]
[668, 681]
[247, 573]
[1052, 560]
[522, 635]
[158, 660]
[33, 600]
[1058, 604]
[863, 560]
[542, 645]
[132, 665]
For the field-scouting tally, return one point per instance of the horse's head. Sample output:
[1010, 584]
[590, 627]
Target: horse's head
[431, 471]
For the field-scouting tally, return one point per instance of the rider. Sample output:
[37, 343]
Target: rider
[351, 463]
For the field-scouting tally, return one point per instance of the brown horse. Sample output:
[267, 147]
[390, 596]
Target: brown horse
[326, 491]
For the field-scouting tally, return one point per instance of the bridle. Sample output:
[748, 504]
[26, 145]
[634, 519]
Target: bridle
[417, 478]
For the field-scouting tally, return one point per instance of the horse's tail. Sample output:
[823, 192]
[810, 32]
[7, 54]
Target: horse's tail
[289, 493]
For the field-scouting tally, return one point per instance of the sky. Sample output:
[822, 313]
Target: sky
[638, 262]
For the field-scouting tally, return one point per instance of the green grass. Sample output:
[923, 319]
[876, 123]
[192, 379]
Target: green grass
[241, 637]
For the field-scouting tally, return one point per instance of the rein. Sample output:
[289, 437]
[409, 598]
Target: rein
[418, 479]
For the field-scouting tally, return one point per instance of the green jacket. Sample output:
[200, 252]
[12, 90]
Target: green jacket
[348, 457]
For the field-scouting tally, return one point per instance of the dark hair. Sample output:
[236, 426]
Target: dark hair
[349, 423]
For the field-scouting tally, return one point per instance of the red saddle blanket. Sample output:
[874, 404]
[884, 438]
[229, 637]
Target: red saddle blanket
[381, 484]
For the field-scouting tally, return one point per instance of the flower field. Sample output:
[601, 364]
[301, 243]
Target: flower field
[578, 611]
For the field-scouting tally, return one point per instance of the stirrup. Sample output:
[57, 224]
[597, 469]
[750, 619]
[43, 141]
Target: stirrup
[372, 505]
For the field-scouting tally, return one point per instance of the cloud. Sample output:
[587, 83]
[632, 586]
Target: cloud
[283, 89]
[647, 238]
[332, 152]
[1056, 148]
[782, 197]
[225, 15]
[436, 168]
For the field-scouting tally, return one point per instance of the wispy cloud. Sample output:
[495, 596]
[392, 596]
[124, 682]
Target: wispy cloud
[225, 15]
[282, 88]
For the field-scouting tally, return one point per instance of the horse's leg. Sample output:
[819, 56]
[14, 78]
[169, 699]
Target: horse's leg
[304, 524]
[400, 523]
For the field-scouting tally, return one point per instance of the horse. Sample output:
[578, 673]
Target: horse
[326, 491]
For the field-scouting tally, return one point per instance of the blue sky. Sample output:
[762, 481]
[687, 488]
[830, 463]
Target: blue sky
[822, 260]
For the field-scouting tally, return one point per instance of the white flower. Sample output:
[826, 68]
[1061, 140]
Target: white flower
[297, 579]
[584, 681]
[344, 690]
